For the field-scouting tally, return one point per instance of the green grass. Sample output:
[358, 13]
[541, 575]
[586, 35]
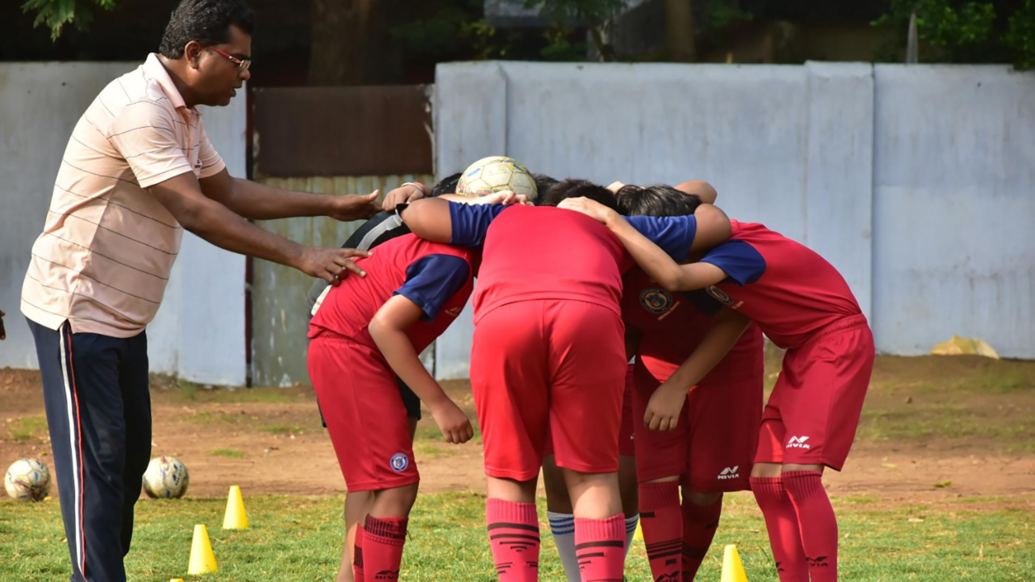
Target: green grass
[1004, 381]
[189, 391]
[228, 453]
[28, 428]
[298, 538]
[943, 421]
[283, 429]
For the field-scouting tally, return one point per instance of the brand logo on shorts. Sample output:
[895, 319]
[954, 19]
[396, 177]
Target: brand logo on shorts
[656, 300]
[730, 473]
[719, 295]
[399, 462]
[454, 311]
[798, 443]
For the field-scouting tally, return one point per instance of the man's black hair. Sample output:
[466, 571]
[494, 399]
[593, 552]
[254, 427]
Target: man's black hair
[205, 21]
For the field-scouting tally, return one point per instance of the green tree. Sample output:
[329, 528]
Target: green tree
[55, 14]
[597, 15]
[970, 31]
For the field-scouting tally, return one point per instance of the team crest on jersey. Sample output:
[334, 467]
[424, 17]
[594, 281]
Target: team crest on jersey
[719, 295]
[399, 462]
[656, 300]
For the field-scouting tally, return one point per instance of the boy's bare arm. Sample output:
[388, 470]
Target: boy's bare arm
[388, 328]
[667, 401]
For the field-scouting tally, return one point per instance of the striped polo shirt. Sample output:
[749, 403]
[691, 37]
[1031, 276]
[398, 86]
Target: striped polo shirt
[107, 247]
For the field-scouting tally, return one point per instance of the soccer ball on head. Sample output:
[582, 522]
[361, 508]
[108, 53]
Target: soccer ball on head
[166, 478]
[27, 480]
[496, 174]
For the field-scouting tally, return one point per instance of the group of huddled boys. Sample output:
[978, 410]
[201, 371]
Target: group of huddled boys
[621, 355]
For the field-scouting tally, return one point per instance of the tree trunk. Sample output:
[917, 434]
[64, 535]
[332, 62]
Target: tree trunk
[679, 18]
[340, 38]
[603, 46]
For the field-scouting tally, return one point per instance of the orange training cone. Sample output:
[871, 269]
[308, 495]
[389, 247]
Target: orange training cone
[202, 560]
[732, 568]
[236, 517]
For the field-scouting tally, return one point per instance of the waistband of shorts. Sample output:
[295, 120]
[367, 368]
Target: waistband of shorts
[493, 307]
[847, 322]
[326, 334]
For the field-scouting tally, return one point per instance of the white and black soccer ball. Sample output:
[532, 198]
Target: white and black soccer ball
[496, 174]
[27, 480]
[166, 478]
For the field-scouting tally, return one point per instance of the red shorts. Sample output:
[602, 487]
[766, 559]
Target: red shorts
[365, 414]
[814, 410]
[716, 437]
[542, 369]
[626, 444]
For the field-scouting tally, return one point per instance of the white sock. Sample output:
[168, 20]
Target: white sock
[630, 531]
[562, 526]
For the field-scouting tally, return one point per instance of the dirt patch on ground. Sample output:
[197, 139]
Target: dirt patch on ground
[964, 424]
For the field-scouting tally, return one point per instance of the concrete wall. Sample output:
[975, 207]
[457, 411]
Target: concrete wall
[199, 331]
[896, 179]
[279, 306]
[954, 207]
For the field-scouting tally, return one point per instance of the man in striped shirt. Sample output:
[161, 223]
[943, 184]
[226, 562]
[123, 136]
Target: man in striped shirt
[137, 171]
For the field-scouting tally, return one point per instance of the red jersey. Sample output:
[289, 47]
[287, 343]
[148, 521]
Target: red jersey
[672, 324]
[532, 253]
[785, 287]
[437, 277]
[537, 252]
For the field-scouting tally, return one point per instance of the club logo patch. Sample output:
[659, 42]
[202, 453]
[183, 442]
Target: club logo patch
[719, 295]
[399, 462]
[656, 300]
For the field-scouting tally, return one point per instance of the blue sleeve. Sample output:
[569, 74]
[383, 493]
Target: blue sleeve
[470, 222]
[674, 234]
[432, 280]
[741, 262]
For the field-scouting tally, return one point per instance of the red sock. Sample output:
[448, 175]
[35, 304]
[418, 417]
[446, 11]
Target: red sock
[514, 538]
[357, 555]
[600, 547]
[816, 522]
[781, 521]
[699, 525]
[662, 523]
[383, 540]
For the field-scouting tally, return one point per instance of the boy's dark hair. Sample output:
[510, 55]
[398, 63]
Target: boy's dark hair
[543, 183]
[657, 200]
[446, 185]
[205, 21]
[572, 188]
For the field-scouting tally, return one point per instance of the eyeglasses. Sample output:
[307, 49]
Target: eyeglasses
[242, 64]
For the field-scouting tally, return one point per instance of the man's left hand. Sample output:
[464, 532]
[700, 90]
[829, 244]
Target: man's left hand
[355, 206]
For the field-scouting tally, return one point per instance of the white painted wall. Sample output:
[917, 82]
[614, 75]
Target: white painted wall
[199, 331]
[897, 183]
[954, 207]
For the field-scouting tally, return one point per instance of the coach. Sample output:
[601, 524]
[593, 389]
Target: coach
[137, 171]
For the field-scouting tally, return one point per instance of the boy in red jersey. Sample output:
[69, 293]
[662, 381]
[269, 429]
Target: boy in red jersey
[803, 305]
[724, 407]
[548, 357]
[366, 332]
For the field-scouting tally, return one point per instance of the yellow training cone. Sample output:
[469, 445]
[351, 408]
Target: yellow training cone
[732, 568]
[202, 560]
[236, 517]
[638, 536]
[176, 580]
